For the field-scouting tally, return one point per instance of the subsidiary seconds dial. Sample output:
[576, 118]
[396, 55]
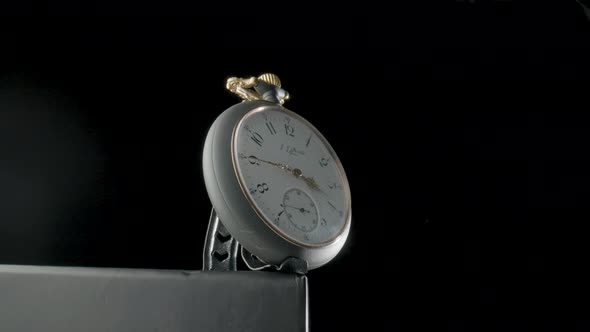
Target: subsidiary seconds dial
[291, 176]
[300, 210]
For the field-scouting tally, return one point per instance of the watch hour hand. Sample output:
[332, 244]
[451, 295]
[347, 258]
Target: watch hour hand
[311, 183]
[309, 180]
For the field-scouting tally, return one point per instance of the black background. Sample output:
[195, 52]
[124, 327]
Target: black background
[463, 128]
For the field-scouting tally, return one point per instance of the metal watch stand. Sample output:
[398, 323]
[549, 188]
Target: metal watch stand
[221, 253]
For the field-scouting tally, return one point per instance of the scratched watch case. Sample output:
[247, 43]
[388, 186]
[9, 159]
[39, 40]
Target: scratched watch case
[234, 209]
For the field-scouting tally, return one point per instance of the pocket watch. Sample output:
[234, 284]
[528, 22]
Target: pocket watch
[277, 187]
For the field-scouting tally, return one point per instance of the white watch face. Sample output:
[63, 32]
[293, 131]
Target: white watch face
[291, 176]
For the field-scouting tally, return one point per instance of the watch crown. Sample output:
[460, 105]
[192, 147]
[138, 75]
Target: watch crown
[271, 79]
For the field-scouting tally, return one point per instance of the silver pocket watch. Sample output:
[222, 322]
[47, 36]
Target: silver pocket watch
[277, 188]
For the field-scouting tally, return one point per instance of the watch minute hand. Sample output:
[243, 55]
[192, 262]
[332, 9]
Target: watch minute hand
[279, 165]
[295, 171]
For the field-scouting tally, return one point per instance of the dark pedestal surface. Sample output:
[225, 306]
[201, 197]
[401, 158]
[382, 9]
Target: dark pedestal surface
[34, 298]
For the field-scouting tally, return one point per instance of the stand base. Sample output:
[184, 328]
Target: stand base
[91, 299]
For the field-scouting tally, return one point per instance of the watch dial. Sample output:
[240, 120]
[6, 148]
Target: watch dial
[291, 176]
